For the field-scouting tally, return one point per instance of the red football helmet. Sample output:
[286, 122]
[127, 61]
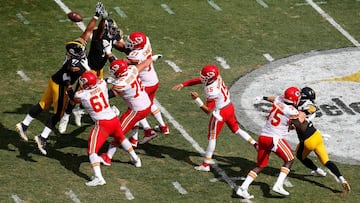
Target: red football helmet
[118, 68]
[292, 95]
[135, 40]
[209, 74]
[88, 80]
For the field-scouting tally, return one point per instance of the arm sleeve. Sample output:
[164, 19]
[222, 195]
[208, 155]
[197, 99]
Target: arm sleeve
[192, 82]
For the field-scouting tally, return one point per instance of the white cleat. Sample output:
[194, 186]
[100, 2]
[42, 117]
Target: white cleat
[95, 182]
[202, 168]
[136, 162]
[41, 143]
[279, 189]
[78, 113]
[21, 131]
[345, 185]
[242, 192]
[318, 173]
[63, 124]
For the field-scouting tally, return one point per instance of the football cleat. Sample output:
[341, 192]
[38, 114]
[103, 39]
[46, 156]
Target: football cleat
[136, 162]
[105, 159]
[21, 129]
[149, 134]
[95, 182]
[345, 185]
[78, 113]
[165, 129]
[41, 143]
[279, 189]
[63, 124]
[134, 142]
[202, 168]
[318, 173]
[242, 192]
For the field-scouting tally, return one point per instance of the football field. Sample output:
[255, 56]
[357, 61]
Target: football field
[261, 48]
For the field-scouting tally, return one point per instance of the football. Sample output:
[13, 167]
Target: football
[75, 16]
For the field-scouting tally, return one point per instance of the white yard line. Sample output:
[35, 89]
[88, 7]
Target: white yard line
[173, 66]
[214, 5]
[73, 196]
[179, 188]
[333, 23]
[262, 3]
[268, 57]
[128, 194]
[120, 12]
[67, 10]
[23, 75]
[167, 9]
[16, 198]
[222, 62]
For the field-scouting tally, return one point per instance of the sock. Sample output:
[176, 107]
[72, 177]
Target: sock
[251, 176]
[283, 174]
[111, 151]
[46, 132]
[28, 119]
[126, 145]
[157, 115]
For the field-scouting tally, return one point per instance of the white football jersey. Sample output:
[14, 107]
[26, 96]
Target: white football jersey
[277, 123]
[219, 92]
[148, 76]
[129, 88]
[96, 102]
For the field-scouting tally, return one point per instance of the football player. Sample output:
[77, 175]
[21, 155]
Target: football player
[219, 106]
[272, 139]
[127, 84]
[139, 45]
[55, 95]
[104, 37]
[93, 95]
[310, 139]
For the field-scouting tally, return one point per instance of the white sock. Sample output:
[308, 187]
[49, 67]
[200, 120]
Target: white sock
[46, 132]
[27, 120]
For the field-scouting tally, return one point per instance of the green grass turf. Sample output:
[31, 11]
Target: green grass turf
[241, 33]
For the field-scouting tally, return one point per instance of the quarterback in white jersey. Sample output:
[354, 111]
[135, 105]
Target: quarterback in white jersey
[220, 107]
[271, 139]
[94, 97]
[140, 47]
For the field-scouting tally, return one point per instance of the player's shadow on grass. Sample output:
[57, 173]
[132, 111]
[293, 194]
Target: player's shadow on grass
[69, 161]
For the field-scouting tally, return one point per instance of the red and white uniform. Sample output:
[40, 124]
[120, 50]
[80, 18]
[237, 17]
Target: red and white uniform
[129, 88]
[96, 102]
[272, 137]
[148, 76]
[218, 99]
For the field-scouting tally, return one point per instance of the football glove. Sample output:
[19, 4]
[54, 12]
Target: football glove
[99, 9]
[107, 46]
[84, 63]
[156, 57]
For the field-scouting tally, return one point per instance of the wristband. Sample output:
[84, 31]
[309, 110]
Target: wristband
[96, 17]
[199, 102]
